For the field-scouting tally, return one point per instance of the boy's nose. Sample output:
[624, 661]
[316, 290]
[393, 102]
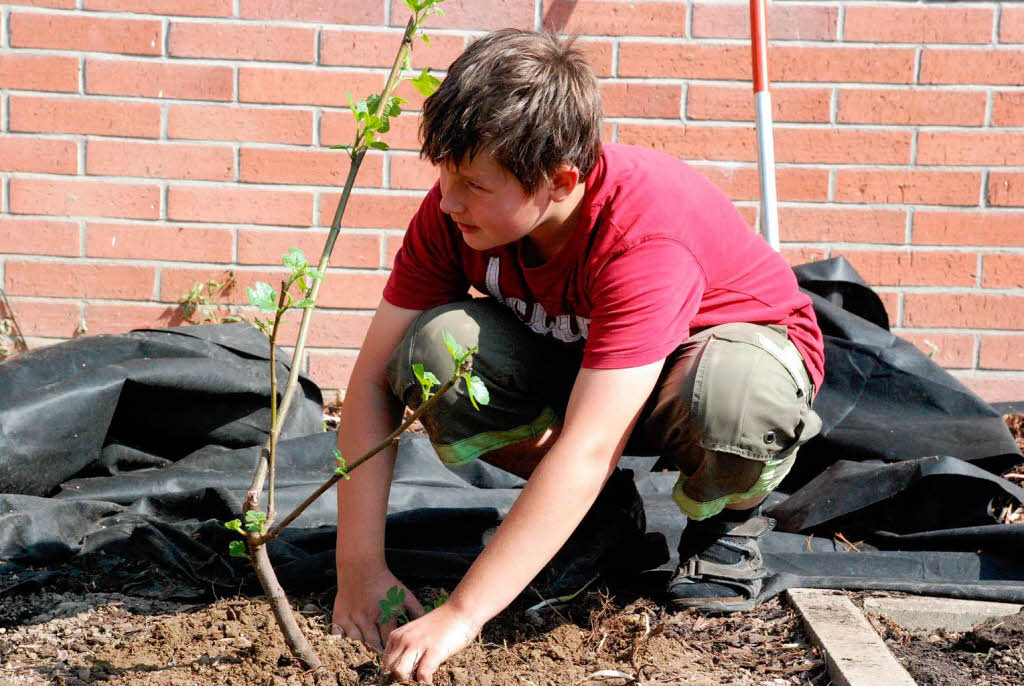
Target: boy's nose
[449, 203]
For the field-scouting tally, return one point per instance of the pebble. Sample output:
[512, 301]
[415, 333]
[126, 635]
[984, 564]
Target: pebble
[83, 673]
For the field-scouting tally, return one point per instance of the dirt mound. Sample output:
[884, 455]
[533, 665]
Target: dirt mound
[111, 638]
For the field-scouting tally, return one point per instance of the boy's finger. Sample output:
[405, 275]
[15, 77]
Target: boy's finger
[346, 628]
[371, 637]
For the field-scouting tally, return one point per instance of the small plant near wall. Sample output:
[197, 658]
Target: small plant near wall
[200, 305]
[297, 292]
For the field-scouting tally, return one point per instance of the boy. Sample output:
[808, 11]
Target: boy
[628, 301]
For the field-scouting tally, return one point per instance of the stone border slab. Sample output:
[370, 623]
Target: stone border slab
[920, 613]
[854, 653]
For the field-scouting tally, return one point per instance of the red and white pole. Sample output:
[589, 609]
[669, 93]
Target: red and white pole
[765, 135]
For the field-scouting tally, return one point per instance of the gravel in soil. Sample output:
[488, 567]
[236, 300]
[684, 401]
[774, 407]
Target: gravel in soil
[111, 638]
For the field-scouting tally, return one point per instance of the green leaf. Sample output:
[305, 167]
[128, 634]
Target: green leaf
[425, 83]
[338, 147]
[263, 326]
[234, 525]
[295, 260]
[314, 273]
[237, 549]
[453, 346]
[254, 520]
[478, 391]
[373, 123]
[351, 104]
[417, 369]
[263, 296]
[433, 380]
[426, 38]
[305, 303]
[303, 284]
[372, 103]
[378, 145]
[411, 4]
[394, 106]
[342, 468]
[396, 595]
[385, 125]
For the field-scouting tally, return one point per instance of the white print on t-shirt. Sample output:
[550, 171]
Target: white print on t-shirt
[534, 314]
[789, 357]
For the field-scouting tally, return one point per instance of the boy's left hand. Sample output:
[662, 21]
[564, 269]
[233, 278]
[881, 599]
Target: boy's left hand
[418, 648]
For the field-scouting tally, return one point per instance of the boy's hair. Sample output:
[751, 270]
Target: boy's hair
[528, 98]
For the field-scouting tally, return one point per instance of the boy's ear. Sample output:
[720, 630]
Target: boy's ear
[564, 181]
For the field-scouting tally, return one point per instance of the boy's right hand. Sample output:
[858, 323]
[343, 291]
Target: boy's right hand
[357, 606]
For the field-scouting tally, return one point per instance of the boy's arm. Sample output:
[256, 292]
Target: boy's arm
[369, 415]
[603, 409]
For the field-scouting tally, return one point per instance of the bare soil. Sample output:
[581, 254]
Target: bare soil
[991, 654]
[80, 637]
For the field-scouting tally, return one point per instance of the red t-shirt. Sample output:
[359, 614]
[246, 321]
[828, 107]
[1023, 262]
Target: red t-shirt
[658, 255]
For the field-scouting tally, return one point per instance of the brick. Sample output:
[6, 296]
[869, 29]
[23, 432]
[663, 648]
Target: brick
[749, 214]
[641, 100]
[242, 41]
[1006, 189]
[918, 24]
[1000, 351]
[914, 267]
[236, 205]
[795, 256]
[231, 123]
[331, 329]
[1008, 108]
[331, 370]
[842, 225]
[39, 72]
[848, 64]
[307, 167]
[371, 211]
[906, 106]
[391, 246]
[993, 389]
[84, 198]
[912, 186]
[610, 18]
[159, 80]
[75, 279]
[175, 283]
[785, 22]
[57, 4]
[964, 310]
[972, 66]
[349, 48]
[842, 145]
[736, 103]
[410, 172]
[952, 351]
[353, 290]
[160, 160]
[86, 33]
[171, 243]
[79, 115]
[598, 54]
[731, 143]
[187, 8]
[891, 304]
[316, 11]
[969, 228]
[120, 318]
[473, 15]
[52, 319]
[258, 246]
[338, 128]
[38, 237]
[983, 148]
[1003, 270]
[304, 86]
[684, 61]
[743, 183]
[787, 63]
[1011, 25]
[39, 155]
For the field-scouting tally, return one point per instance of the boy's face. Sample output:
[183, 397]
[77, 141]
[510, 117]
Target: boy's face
[489, 205]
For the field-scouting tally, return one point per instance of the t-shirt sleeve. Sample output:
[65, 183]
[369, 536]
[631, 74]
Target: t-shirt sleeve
[428, 268]
[643, 302]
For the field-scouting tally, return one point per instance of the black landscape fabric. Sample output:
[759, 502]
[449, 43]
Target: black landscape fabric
[122, 456]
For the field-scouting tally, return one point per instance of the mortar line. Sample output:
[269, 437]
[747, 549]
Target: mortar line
[83, 159]
[538, 15]
[976, 351]
[918, 60]
[688, 19]
[166, 42]
[236, 10]
[909, 229]
[841, 24]
[387, 12]
[5, 20]
[989, 107]
[983, 201]
[979, 280]
[615, 58]
[997, 23]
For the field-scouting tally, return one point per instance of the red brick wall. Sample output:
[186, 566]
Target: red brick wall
[149, 144]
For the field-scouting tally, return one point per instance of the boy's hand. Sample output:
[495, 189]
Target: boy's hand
[357, 606]
[418, 648]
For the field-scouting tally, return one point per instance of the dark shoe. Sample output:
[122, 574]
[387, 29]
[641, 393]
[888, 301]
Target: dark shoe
[611, 541]
[720, 569]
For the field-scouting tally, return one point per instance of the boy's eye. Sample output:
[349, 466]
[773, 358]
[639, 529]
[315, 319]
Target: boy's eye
[475, 186]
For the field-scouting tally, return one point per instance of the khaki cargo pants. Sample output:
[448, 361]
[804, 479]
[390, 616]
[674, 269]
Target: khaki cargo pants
[730, 409]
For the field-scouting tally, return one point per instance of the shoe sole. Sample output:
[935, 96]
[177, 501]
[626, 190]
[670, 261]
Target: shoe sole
[713, 605]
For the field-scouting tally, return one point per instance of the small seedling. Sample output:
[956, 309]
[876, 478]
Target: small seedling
[199, 305]
[393, 605]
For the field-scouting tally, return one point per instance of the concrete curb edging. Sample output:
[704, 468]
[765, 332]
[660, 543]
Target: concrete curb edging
[853, 651]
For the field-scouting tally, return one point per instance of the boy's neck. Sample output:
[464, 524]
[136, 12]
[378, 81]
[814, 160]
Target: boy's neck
[547, 239]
